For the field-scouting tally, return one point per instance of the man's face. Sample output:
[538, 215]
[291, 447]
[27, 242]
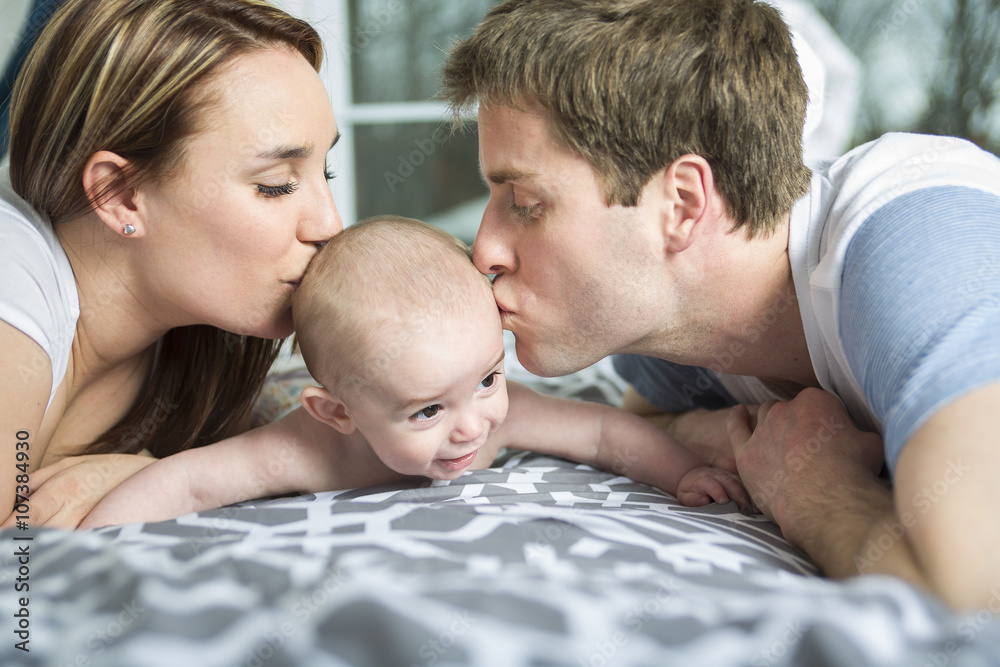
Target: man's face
[571, 272]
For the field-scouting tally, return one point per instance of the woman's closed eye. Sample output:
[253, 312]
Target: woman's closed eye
[272, 191]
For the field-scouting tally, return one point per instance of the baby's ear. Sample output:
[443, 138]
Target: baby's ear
[327, 408]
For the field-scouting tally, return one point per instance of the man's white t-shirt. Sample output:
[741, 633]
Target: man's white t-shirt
[895, 258]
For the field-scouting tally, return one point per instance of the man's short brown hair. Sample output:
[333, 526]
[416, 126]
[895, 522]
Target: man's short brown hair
[632, 85]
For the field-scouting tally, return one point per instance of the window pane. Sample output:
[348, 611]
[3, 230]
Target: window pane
[420, 170]
[397, 47]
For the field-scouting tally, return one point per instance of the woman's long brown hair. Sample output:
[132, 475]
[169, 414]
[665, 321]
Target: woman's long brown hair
[123, 76]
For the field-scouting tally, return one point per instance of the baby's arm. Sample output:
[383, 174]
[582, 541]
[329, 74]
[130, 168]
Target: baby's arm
[294, 454]
[165, 489]
[615, 440]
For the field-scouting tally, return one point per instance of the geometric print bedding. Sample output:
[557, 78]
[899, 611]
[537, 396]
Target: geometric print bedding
[537, 561]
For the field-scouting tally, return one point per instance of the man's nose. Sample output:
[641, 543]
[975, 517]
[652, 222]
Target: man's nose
[493, 250]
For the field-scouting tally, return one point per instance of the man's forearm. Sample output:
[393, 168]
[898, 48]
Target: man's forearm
[852, 528]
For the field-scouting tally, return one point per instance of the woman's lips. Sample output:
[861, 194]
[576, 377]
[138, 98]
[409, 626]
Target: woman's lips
[461, 461]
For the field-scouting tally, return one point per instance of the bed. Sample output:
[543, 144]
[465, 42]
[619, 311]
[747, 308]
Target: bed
[535, 561]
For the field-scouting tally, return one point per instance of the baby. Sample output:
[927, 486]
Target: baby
[403, 333]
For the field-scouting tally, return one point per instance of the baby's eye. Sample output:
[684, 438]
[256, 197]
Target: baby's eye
[489, 380]
[427, 413]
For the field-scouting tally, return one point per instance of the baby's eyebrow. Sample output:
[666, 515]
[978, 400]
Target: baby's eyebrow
[413, 404]
[498, 360]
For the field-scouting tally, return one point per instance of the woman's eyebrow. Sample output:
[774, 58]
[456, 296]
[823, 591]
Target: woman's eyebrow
[286, 153]
[292, 152]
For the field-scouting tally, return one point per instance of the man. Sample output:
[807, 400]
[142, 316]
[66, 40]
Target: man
[647, 196]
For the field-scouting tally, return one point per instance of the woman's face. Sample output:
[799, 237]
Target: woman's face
[227, 240]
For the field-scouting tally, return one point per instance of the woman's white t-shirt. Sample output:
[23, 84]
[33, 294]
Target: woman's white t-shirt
[38, 294]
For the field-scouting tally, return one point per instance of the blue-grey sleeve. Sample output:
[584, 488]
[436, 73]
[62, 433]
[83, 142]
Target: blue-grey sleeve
[672, 387]
[920, 305]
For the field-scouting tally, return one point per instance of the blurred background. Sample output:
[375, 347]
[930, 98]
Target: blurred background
[873, 66]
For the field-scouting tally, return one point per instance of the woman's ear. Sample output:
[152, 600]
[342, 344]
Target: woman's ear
[687, 188]
[327, 408]
[114, 205]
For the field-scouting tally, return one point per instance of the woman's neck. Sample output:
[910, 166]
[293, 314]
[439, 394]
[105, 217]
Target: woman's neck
[116, 327]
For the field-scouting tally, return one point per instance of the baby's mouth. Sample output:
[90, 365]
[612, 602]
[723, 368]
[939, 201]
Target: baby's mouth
[461, 461]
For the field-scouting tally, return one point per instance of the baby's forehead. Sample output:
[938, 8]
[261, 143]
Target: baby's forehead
[427, 328]
[464, 299]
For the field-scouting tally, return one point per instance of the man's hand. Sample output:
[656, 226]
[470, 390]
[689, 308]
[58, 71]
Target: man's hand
[797, 455]
[813, 473]
[63, 493]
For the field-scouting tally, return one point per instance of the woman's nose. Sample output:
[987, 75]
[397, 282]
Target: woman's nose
[323, 221]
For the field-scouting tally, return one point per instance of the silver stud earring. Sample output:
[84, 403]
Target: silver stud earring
[129, 230]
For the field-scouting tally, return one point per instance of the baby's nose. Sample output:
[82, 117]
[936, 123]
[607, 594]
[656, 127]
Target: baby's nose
[469, 427]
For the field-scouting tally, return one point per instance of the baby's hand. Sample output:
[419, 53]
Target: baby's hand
[702, 485]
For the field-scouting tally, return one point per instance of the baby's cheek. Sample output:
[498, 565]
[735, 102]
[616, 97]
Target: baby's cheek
[405, 465]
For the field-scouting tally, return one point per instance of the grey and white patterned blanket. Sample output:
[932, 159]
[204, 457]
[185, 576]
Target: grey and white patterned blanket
[537, 562]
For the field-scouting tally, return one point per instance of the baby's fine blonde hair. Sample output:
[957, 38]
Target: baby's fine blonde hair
[372, 289]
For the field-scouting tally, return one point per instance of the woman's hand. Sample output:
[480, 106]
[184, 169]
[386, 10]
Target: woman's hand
[64, 493]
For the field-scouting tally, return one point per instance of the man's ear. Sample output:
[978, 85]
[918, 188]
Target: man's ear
[327, 408]
[114, 205]
[687, 189]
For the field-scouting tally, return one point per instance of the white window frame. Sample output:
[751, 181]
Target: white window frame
[331, 20]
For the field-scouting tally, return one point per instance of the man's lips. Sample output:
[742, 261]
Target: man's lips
[502, 306]
[461, 461]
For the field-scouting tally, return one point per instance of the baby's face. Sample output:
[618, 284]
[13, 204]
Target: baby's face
[440, 397]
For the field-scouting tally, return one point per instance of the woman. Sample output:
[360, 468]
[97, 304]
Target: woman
[167, 190]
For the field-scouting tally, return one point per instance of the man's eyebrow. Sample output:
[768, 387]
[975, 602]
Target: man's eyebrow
[412, 405]
[506, 175]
